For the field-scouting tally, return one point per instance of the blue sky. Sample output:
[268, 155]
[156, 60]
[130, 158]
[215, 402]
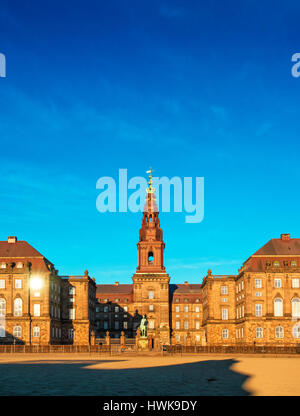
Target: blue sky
[192, 88]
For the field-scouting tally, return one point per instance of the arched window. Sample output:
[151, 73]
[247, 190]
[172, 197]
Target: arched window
[150, 257]
[17, 332]
[225, 333]
[18, 307]
[259, 332]
[296, 308]
[2, 307]
[279, 332]
[296, 331]
[278, 307]
[36, 331]
[2, 331]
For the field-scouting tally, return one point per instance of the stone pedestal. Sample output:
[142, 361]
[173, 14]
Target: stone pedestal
[143, 344]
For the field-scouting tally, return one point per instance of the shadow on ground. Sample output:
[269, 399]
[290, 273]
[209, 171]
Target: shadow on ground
[65, 378]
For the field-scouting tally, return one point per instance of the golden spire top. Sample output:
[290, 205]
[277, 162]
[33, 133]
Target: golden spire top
[150, 190]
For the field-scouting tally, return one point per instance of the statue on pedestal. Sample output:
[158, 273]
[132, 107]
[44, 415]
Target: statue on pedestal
[143, 326]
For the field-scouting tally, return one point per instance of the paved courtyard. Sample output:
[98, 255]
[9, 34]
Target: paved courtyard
[201, 375]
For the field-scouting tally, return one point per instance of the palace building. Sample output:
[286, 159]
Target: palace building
[258, 306]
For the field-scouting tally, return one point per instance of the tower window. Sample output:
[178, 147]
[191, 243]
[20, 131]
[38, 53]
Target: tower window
[150, 257]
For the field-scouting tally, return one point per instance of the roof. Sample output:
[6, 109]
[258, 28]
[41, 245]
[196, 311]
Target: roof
[115, 289]
[18, 249]
[280, 247]
[185, 288]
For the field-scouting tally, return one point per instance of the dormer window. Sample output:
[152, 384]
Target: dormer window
[294, 263]
[276, 263]
[19, 265]
[3, 265]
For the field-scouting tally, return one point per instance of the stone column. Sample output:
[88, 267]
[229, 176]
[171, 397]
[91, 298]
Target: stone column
[122, 339]
[107, 338]
[93, 338]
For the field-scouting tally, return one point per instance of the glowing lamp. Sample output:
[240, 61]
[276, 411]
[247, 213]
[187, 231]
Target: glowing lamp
[35, 283]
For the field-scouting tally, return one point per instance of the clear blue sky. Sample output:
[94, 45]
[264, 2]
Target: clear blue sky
[193, 88]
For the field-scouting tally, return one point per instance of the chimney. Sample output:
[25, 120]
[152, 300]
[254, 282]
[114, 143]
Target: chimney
[12, 239]
[117, 283]
[285, 237]
[186, 283]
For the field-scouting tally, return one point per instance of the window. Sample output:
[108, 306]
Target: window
[177, 338]
[125, 308]
[224, 290]
[18, 307]
[186, 324]
[197, 309]
[242, 284]
[258, 294]
[293, 263]
[70, 333]
[295, 283]
[296, 331]
[177, 308]
[2, 284]
[36, 331]
[19, 265]
[177, 325]
[296, 308]
[197, 300]
[277, 283]
[18, 284]
[186, 299]
[151, 323]
[125, 325]
[36, 309]
[224, 313]
[225, 334]
[151, 308]
[224, 299]
[197, 326]
[116, 308]
[105, 326]
[151, 294]
[279, 333]
[186, 309]
[257, 283]
[278, 307]
[117, 325]
[2, 307]
[258, 309]
[117, 300]
[197, 338]
[36, 294]
[177, 300]
[150, 257]
[3, 265]
[259, 332]
[2, 331]
[72, 290]
[71, 313]
[17, 332]
[276, 263]
[105, 308]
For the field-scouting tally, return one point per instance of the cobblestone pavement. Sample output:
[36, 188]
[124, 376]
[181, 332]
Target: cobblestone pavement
[198, 375]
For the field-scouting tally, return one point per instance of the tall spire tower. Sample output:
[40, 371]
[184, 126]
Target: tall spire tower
[150, 246]
[151, 282]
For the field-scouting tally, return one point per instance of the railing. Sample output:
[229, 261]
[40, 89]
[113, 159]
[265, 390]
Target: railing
[181, 349]
[54, 349]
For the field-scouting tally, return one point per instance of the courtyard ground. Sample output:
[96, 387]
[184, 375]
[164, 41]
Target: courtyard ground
[199, 375]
